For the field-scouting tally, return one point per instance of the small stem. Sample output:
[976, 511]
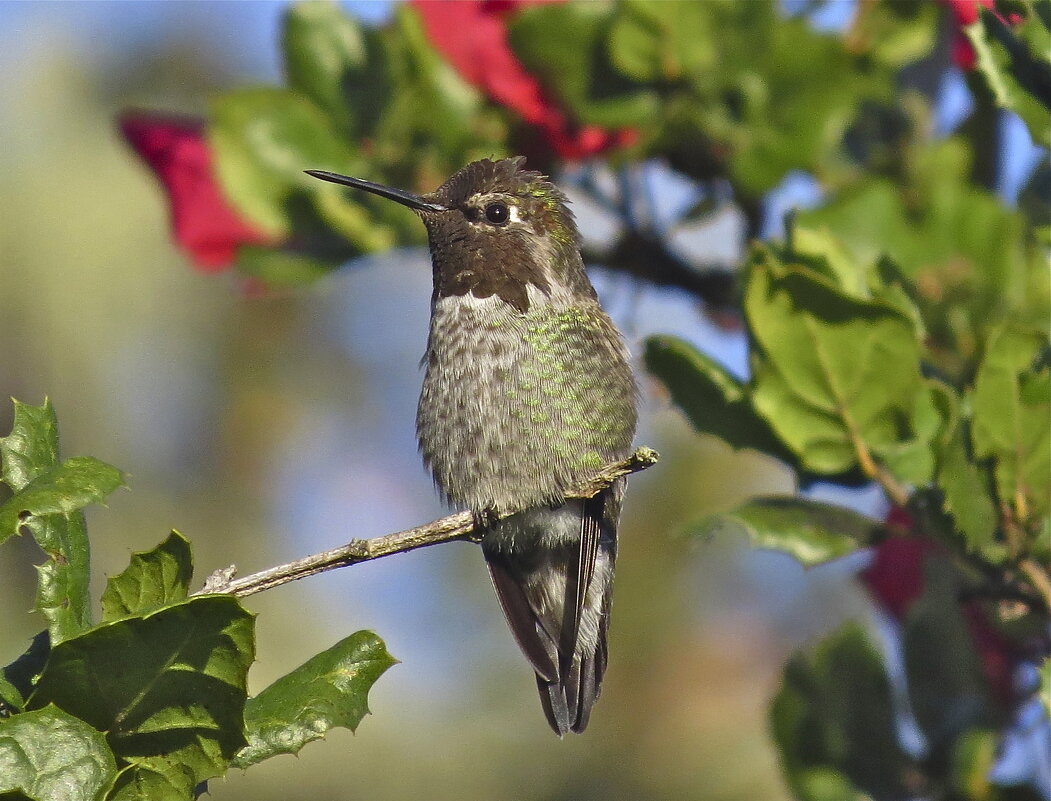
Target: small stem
[1038, 576]
[898, 494]
[459, 526]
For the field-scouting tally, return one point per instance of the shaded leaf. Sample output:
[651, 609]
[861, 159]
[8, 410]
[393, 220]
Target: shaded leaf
[53, 756]
[947, 689]
[153, 579]
[328, 690]
[1013, 428]
[19, 677]
[811, 531]
[177, 709]
[834, 723]
[141, 783]
[661, 41]
[714, 401]
[837, 378]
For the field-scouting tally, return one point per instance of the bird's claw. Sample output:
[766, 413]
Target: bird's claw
[484, 519]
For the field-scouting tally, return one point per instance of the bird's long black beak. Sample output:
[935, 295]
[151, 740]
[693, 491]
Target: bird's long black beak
[398, 195]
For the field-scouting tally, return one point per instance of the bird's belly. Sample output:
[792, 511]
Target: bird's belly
[516, 409]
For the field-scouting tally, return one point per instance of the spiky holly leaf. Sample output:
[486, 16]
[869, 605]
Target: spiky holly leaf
[154, 579]
[48, 497]
[328, 690]
[176, 711]
[50, 755]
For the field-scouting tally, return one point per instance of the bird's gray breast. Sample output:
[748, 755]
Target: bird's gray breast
[517, 408]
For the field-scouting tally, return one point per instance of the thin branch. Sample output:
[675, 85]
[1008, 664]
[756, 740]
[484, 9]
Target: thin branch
[459, 526]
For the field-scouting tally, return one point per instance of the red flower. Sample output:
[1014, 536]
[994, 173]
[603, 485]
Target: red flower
[966, 12]
[472, 36]
[895, 576]
[896, 580]
[204, 223]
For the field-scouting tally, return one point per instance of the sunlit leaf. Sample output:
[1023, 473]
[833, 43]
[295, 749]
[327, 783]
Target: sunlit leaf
[811, 531]
[563, 45]
[323, 47]
[264, 138]
[32, 446]
[1016, 73]
[328, 690]
[837, 378]
[48, 499]
[1013, 427]
[53, 756]
[153, 579]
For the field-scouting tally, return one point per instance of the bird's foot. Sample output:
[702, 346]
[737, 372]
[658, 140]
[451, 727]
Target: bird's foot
[484, 519]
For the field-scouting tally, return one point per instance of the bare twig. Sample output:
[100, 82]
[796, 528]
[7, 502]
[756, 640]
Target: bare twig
[459, 526]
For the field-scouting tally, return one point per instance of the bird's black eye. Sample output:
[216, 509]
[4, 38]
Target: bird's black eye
[497, 213]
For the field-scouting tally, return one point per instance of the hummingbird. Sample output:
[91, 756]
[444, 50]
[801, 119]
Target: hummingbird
[527, 392]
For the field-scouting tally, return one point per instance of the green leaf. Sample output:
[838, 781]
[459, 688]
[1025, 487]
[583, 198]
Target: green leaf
[661, 41]
[175, 711]
[263, 140]
[834, 723]
[897, 33]
[811, 531]
[1011, 427]
[973, 756]
[323, 48]
[714, 401]
[140, 783]
[966, 490]
[947, 689]
[153, 579]
[18, 678]
[281, 268]
[823, 253]
[60, 491]
[328, 690]
[47, 501]
[1015, 73]
[563, 46]
[53, 756]
[32, 446]
[837, 378]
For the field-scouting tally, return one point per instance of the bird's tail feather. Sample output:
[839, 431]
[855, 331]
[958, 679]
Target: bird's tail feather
[556, 601]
